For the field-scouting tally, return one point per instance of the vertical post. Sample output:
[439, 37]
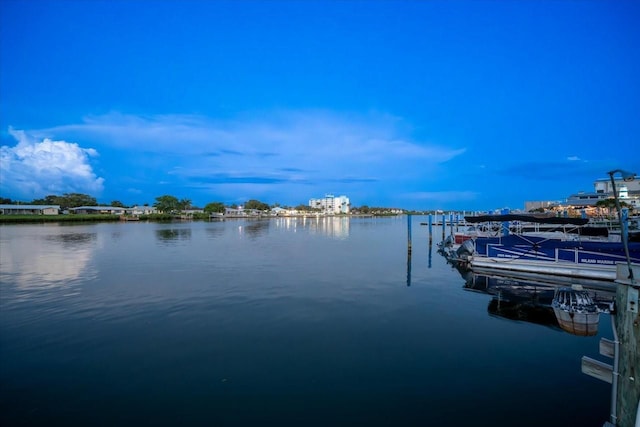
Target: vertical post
[505, 224]
[627, 353]
[409, 268]
[623, 237]
[409, 250]
[430, 229]
[451, 224]
[444, 225]
[624, 227]
[409, 231]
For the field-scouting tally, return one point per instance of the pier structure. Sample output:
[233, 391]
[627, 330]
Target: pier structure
[624, 350]
[623, 375]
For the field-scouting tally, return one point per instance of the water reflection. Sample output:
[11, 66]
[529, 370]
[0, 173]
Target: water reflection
[173, 235]
[215, 232]
[336, 227]
[254, 228]
[572, 307]
[48, 261]
[331, 226]
[70, 240]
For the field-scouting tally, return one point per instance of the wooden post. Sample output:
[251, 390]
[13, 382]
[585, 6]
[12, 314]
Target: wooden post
[430, 229]
[409, 267]
[409, 232]
[451, 223]
[628, 331]
[409, 250]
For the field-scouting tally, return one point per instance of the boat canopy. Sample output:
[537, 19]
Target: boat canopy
[527, 218]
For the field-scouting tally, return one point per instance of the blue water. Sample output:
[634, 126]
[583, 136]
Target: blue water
[282, 322]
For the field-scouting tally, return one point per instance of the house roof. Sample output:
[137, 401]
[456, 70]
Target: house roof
[29, 206]
[98, 208]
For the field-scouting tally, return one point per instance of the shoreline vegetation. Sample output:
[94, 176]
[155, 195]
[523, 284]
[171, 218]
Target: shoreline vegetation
[68, 218]
[169, 208]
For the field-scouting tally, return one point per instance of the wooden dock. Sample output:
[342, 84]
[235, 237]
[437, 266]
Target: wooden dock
[624, 373]
[628, 331]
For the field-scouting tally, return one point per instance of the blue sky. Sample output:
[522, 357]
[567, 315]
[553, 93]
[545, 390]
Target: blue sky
[413, 104]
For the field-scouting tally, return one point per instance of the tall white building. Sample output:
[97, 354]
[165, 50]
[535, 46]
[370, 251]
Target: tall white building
[331, 204]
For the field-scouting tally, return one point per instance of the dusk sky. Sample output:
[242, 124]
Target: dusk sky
[474, 105]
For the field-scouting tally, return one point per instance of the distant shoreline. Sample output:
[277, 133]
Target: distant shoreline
[75, 218]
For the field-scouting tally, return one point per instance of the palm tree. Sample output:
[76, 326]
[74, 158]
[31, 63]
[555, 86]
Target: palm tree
[184, 204]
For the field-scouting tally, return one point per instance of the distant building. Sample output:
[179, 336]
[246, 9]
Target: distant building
[583, 200]
[331, 204]
[87, 210]
[628, 191]
[141, 210]
[603, 185]
[29, 209]
[241, 212]
[193, 211]
[530, 206]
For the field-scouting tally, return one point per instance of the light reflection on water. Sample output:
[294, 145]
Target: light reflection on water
[45, 258]
[284, 321]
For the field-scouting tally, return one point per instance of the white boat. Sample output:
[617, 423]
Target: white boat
[576, 311]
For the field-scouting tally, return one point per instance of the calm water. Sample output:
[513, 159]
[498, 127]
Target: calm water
[271, 322]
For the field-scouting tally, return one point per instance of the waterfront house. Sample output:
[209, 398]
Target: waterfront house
[29, 209]
[278, 211]
[141, 210]
[241, 212]
[89, 210]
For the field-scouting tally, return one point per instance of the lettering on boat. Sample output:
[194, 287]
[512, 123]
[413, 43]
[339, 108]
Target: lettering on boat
[507, 256]
[596, 261]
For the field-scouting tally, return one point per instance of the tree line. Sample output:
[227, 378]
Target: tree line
[165, 203]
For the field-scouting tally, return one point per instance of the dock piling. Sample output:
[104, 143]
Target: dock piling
[409, 232]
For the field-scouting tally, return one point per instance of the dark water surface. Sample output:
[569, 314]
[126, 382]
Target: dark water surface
[270, 322]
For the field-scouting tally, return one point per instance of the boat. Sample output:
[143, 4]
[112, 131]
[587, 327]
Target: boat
[573, 308]
[566, 250]
[576, 311]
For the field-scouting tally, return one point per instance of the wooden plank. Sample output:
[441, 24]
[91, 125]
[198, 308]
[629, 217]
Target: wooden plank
[628, 329]
[607, 347]
[597, 369]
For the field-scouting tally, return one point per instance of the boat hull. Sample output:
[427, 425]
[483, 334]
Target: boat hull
[583, 324]
[559, 268]
[589, 260]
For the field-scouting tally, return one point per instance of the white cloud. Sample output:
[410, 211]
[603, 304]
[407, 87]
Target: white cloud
[287, 156]
[573, 158]
[314, 143]
[35, 168]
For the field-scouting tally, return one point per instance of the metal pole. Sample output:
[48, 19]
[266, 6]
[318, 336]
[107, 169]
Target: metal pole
[622, 235]
[615, 373]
